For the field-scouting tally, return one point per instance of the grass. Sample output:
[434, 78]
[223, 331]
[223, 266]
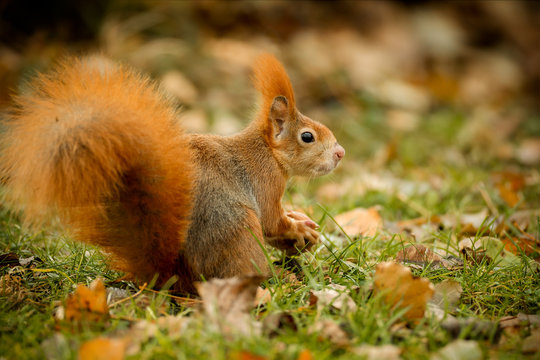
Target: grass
[491, 290]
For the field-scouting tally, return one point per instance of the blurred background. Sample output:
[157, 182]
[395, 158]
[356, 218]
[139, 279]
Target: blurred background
[416, 90]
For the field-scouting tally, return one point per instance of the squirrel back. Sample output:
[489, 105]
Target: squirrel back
[98, 145]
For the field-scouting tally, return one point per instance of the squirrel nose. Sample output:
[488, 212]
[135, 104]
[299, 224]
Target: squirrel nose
[339, 152]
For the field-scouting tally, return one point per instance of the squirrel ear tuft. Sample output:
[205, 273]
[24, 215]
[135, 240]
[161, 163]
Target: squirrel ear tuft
[272, 81]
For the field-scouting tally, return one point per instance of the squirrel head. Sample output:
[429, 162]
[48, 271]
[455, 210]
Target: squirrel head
[301, 145]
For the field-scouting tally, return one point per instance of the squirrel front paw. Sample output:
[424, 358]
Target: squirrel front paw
[301, 235]
[306, 229]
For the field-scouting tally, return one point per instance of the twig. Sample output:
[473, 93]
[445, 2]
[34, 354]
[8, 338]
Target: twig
[181, 299]
[129, 297]
[482, 189]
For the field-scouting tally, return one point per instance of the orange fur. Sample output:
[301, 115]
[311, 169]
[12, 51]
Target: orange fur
[271, 80]
[97, 144]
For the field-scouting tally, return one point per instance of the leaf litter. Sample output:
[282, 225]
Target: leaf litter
[409, 62]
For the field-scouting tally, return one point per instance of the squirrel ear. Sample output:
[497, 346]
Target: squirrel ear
[279, 114]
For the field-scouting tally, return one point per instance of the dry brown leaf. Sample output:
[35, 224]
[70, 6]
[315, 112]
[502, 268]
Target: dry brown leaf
[418, 254]
[277, 321]
[331, 297]
[401, 289]
[524, 218]
[331, 330]
[144, 330]
[459, 349]
[513, 326]
[10, 286]
[360, 221]
[9, 259]
[508, 184]
[103, 349]
[531, 344]
[227, 303]
[262, 297]
[525, 243]
[88, 304]
[447, 293]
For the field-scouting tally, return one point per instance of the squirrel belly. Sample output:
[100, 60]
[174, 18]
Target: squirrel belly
[98, 145]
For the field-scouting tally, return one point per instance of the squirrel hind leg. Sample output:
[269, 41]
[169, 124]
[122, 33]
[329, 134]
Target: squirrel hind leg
[240, 254]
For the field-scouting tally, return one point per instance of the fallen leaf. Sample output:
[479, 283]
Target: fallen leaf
[419, 254]
[227, 303]
[531, 344]
[30, 261]
[103, 349]
[508, 184]
[277, 321]
[436, 312]
[9, 259]
[516, 245]
[262, 297]
[88, 304]
[173, 324]
[459, 350]
[383, 352]
[524, 218]
[521, 319]
[514, 326]
[144, 330]
[334, 298]
[329, 329]
[360, 221]
[11, 287]
[447, 293]
[401, 289]
[472, 252]
[305, 355]
[495, 249]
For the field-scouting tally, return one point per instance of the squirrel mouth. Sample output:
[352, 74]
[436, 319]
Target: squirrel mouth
[324, 169]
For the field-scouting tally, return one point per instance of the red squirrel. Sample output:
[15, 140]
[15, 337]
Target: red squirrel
[99, 145]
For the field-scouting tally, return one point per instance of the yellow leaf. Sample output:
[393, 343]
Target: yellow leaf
[102, 349]
[360, 221]
[87, 303]
[401, 289]
[305, 355]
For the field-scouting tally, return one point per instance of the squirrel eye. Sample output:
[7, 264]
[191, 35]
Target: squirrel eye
[307, 137]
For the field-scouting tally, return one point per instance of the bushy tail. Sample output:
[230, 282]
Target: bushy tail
[97, 144]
